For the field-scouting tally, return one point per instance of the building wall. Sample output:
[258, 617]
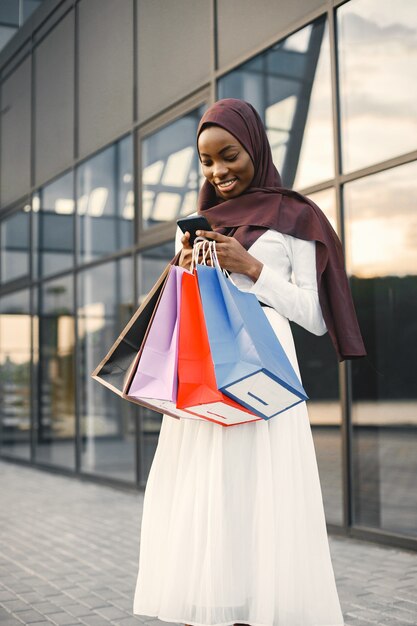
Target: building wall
[247, 26]
[167, 34]
[16, 133]
[54, 101]
[99, 104]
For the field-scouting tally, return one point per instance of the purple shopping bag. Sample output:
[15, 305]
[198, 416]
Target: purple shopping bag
[156, 373]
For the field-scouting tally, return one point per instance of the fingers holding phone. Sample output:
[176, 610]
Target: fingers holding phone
[191, 224]
[185, 240]
[186, 252]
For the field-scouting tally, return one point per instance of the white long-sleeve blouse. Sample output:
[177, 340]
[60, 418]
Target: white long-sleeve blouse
[288, 281]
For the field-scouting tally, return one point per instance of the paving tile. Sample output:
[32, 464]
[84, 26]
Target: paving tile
[401, 616]
[78, 610]
[130, 621]
[31, 597]
[28, 617]
[123, 603]
[6, 595]
[95, 620]
[95, 602]
[78, 592]
[45, 591]
[108, 593]
[369, 619]
[355, 621]
[21, 588]
[390, 621]
[13, 606]
[61, 599]
[11, 621]
[44, 607]
[407, 605]
[61, 618]
[112, 613]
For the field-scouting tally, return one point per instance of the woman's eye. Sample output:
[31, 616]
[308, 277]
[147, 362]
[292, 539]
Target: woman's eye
[231, 158]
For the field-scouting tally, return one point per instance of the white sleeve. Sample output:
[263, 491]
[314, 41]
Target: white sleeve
[178, 244]
[298, 300]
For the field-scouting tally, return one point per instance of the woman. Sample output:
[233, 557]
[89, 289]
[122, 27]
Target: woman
[233, 526]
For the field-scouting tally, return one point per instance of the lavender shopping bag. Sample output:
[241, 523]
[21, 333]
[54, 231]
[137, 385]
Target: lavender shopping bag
[156, 373]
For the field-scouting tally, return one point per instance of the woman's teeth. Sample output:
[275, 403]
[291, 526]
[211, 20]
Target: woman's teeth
[226, 184]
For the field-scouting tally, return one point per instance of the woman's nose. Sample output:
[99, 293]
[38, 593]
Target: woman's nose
[220, 170]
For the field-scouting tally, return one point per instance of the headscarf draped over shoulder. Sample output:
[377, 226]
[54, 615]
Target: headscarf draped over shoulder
[267, 205]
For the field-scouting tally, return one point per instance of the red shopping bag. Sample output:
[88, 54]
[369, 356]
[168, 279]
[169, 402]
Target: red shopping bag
[198, 394]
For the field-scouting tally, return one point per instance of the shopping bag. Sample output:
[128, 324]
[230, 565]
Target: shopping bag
[156, 371]
[250, 364]
[117, 368]
[198, 395]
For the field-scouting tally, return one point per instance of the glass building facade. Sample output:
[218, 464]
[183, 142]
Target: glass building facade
[13, 14]
[89, 224]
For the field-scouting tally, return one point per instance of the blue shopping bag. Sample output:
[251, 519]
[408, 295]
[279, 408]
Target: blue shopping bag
[250, 363]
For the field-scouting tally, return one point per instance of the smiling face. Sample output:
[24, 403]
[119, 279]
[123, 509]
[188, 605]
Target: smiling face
[225, 162]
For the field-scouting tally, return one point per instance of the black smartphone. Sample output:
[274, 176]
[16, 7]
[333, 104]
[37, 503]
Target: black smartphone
[192, 224]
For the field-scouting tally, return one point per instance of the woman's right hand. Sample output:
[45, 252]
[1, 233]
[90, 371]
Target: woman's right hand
[186, 252]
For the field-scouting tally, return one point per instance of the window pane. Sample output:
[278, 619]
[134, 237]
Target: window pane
[125, 201]
[6, 33]
[326, 200]
[290, 87]
[56, 427]
[15, 364]
[29, 7]
[382, 235]
[53, 227]
[378, 57]
[9, 11]
[170, 171]
[382, 224]
[107, 424]
[15, 245]
[150, 265]
[320, 375]
[105, 202]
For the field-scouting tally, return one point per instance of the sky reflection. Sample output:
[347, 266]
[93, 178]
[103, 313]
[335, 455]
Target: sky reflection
[377, 62]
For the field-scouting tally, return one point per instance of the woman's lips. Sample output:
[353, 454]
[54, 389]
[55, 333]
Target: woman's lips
[227, 185]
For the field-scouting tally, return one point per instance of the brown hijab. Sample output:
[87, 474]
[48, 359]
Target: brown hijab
[267, 205]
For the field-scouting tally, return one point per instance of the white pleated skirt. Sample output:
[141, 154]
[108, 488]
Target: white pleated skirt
[233, 527]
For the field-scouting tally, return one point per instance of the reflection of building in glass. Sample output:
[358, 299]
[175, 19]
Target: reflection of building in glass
[13, 14]
[170, 171]
[98, 160]
[290, 85]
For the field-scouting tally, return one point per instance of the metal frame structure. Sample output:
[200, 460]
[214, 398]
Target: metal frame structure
[48, 15]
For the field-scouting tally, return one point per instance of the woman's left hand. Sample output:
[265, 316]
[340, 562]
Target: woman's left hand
[232, 255]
